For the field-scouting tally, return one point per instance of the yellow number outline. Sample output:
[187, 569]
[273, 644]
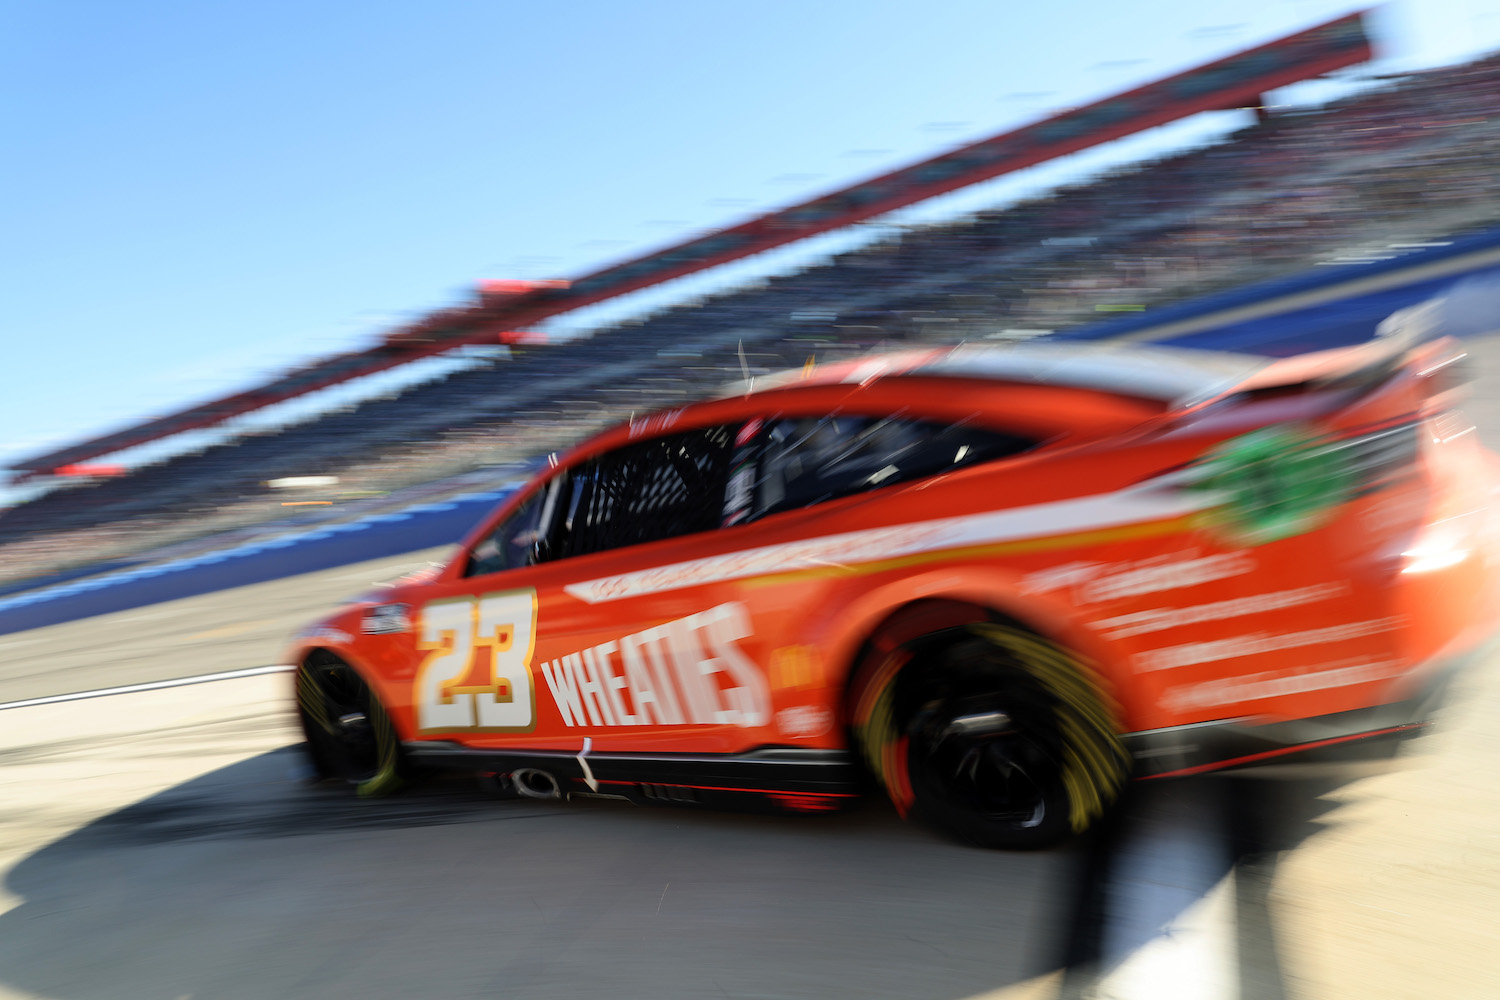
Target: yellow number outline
[498, 641]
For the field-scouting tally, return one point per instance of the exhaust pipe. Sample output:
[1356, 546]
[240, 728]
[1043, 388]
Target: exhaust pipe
[534, 784]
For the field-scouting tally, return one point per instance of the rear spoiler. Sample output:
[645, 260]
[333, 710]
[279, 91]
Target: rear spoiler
[1410, 339]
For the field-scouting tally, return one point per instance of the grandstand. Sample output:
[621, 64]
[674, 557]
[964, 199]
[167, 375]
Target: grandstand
[504, 308]
[1406, 162]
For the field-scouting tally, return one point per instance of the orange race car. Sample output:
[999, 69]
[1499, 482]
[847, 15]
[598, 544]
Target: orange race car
[997, 582]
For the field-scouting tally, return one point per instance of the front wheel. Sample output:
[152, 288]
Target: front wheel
[349, 734]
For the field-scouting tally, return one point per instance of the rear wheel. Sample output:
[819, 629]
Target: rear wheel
[996, 736]
[349, 734]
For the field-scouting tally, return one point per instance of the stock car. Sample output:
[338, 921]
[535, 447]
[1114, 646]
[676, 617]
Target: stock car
[996, 584]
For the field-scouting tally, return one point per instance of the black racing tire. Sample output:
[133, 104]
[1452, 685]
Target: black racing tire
[997, 737]
[350, 736]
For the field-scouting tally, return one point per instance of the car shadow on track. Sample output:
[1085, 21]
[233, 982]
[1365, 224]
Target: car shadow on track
[248, 883]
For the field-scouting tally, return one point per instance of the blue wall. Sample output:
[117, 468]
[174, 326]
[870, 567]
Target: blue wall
[1337, 334]
[419, 527]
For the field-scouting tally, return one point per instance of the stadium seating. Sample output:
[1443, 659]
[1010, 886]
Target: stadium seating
[1408, 161]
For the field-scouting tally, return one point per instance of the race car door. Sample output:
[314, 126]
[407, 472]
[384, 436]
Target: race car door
[553, 662]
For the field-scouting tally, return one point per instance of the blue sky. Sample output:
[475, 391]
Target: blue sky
[202, 194]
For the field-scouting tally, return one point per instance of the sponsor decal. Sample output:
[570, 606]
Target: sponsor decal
[1273, 483]
[1279, 683]
[1066, 576]
[476, 674]
[1190, 653]
[1150, 576]
[1141, 504]
[325, 634]
[384, 619]
[796, 668]
[1160, 619]
[739, 495]
[655, 423]
[689, 671]
[816, 552]
[1093, 583]
[802, 722]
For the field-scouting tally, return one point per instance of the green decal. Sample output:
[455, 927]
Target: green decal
[1274, 483]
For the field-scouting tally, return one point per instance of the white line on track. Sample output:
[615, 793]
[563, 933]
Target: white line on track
[1170, 931]
[227, 675]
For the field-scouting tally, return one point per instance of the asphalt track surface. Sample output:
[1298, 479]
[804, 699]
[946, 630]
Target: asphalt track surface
[162, 844]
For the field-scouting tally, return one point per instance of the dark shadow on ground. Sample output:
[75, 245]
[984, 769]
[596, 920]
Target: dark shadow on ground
[246, 883]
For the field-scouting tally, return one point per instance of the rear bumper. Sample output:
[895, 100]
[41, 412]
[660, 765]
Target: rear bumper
[1359, 735]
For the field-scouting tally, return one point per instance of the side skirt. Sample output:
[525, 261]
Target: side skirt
[792, 778]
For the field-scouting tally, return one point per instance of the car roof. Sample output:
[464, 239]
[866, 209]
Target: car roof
[1174, 377]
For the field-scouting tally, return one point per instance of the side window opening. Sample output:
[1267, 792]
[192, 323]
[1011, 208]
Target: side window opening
[648, 491]
[643, 492]
[802, 461]
[521, 539]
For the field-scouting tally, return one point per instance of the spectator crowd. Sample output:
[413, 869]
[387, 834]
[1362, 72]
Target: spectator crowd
[1410, 161]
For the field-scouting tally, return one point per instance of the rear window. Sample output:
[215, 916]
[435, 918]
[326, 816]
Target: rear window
[799, 462]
